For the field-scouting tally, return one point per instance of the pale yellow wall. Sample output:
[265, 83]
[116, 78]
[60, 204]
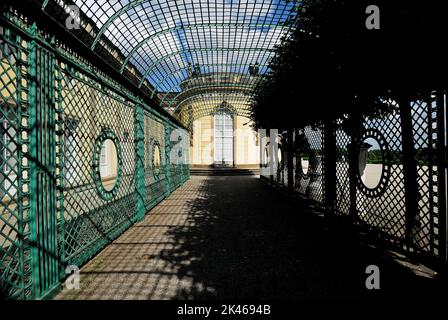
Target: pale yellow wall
[246, 151]
[245, 143]
[202, 151]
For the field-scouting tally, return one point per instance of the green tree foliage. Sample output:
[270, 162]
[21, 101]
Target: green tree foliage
[374, 156]
[331, 64]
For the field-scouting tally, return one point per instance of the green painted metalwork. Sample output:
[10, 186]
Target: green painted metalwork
[60, 160]
[161, 27]
[136, 3]
[111, 19]
[15, 255]
[33, 164]
[243, 97]
[221, 86]
[105, 135]
[155, 185]
[156, 174]
[169, 75]
[194, 26]
[140, 161]
[56, 109]
[175, 156]
[181, 159]
[152, 39]
[326, 169]
[44, 5]
[234, 88]
[167, 157]
[211, 93]
[43, 237]
[180, 52]
[207, 107]
[187, 157]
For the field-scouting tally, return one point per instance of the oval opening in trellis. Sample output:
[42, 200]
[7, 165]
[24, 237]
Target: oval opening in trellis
[108, 164]
[279, 156]
[156, 160]
[266, 157]
[305, 161]
[370, 164]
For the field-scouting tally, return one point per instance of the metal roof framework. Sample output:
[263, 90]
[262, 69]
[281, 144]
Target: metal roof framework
[167, 41]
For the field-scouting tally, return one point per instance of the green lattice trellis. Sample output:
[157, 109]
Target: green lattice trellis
[104, 136]
[156, 170]
[404, 212]
[56, 110]
[15, 255]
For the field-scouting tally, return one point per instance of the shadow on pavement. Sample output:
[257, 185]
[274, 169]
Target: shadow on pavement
[243, 240]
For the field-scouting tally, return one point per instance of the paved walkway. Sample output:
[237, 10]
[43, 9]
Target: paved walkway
[234, 237]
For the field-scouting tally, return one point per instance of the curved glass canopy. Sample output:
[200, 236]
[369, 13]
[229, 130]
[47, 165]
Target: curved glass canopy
[170, 42]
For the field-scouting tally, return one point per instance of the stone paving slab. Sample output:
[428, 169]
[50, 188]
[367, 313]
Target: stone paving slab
[234, 238]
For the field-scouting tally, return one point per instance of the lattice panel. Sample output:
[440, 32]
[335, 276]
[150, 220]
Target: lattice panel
[424, 119]
[88, 221]
[281, 175]
[387, 211]
[15, 269]
[155, 178]
[265, 155]
[166, 42]
[186, 155]
[343, 140]
[311, 183]
[176, 156]
[56, 109]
